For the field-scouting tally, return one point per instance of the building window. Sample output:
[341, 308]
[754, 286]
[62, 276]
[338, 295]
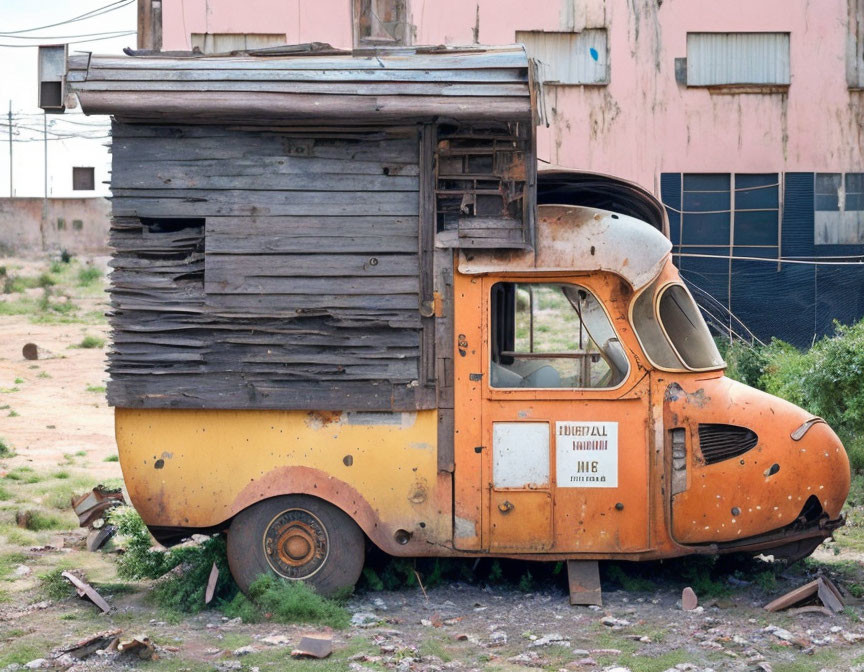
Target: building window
[738, 59]
[83, 179]
[380, 23]
[223, 43]
[568, 58]
[855, 45]
[838, 201]
[719, 211]
[552, 336]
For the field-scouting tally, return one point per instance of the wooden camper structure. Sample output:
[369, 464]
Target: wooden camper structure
[284, 221]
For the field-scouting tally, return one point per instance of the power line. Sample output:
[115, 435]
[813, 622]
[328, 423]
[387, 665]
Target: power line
[61, 37]
[119, 4]
[95, 39]
[771, 260]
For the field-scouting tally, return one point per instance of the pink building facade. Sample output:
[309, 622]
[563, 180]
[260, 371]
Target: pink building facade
[744, 116]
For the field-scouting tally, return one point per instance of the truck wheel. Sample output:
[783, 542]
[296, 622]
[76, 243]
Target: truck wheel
[296, 537]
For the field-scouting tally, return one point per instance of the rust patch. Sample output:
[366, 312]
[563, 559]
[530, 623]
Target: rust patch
[419, 493]
[319, 419]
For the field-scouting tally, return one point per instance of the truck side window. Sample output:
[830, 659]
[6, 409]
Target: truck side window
[552, 336]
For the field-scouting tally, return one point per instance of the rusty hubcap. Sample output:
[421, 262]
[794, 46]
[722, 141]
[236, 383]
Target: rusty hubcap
[295, 544]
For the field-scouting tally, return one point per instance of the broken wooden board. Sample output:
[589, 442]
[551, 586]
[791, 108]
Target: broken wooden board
[313, 646]
[821, 589]
[84, 589]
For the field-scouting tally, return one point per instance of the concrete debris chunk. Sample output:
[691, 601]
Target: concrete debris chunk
[243, 651]
[275, 640]
[364, 619]
[313, 646]
[84, 589]
[554, 639]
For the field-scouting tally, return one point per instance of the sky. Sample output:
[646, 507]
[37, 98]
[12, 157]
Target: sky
[18, 84]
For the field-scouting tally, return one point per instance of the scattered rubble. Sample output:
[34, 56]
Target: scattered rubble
[141, 646]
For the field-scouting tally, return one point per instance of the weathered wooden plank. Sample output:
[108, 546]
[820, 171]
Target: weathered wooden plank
[226, 107]
[369, 75]
[258, 178]
[255, 304]
[225, 268]
[295, 242]
[310, 286]
[324, 89]
[463, 60]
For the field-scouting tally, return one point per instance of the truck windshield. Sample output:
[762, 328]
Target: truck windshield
[672, 331]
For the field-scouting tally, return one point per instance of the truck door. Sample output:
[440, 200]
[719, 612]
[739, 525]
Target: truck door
[564, 415]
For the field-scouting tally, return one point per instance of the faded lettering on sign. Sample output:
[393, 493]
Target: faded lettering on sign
[586, 454]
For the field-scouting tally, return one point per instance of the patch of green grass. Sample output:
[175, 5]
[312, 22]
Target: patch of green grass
[54, 586]
[90, 342]
[61, 475]
[5, 495]
[38, 520]
[112, 458]
[9, 561]
[9, 390]
[15, 536]
[23, 475]
[629, 577]
[13, 414]
[286, 602]
[435, 647]
[89, 275]
[43, 374]
[96, 388]
[23, 650]
[80, 453]
[19, 381]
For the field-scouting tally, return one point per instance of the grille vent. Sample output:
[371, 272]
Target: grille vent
[723, 442]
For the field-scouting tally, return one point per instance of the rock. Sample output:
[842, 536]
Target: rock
[529, 658]
[605, 652]
[853, 637]
[243, 651]
[364, 619]
[498, 638]
[37, 664]
[616, 669]
[554, 639]
[580, 653]
[612, 622]
[275, 640]
[584, 662]
[689, 601]
[22, 570]
[229, 665]
[379, 604]
[594, 607]
[780, 633]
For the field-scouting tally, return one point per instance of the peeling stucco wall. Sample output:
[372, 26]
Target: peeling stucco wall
[642, 123]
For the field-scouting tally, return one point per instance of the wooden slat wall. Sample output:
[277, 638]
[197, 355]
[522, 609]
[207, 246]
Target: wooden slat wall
[266, 269]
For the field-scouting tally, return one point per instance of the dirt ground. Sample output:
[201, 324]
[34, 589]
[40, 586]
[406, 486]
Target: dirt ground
[55, 421]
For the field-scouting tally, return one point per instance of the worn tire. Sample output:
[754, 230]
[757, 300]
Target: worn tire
[297, 537]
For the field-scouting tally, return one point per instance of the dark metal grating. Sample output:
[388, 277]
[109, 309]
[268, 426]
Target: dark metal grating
[723, 442]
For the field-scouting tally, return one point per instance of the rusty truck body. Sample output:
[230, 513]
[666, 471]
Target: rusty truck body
[345, 307]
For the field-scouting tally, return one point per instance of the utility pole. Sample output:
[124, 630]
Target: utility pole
[45, 144]
[10, 149]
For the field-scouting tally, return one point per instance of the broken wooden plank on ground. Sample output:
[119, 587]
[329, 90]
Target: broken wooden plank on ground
[822, 589]
[84, 589]
[313, 646]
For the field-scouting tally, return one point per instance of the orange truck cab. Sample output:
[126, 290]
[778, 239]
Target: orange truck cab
[591, 420]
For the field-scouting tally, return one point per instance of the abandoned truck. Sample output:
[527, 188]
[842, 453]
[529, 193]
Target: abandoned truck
[346, 308]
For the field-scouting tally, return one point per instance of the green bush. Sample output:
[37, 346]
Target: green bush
[88, 275]
[90, 342]
[827, 379]
[183, 590]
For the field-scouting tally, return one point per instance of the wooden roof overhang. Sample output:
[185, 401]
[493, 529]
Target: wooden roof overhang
[320, 86]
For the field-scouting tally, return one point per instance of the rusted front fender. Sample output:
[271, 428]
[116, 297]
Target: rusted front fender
[763, 489]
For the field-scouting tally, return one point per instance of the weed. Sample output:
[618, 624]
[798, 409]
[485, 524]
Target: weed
[5, 495]
[112, 458]
[62, 475]
[286, 602]
[19, 381]
[9, 561]
[43, 374]
[38, 521]
[54, 586]
[526, 582]
[99, 389]
[90, 342]
[630, 580]
[5, 449]
[23, 475]
[80, 453]
[13, 414]
[88, 275]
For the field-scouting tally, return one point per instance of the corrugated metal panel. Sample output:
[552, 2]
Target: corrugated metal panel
[716, 59]
[569, 58]
[223, 43]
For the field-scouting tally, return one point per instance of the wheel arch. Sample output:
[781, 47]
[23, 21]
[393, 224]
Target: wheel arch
[316, 483]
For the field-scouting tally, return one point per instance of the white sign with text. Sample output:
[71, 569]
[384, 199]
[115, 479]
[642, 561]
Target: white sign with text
[586, 454]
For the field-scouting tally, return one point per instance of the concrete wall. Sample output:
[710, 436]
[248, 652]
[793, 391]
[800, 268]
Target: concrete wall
[642, 123]
[30, 226]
